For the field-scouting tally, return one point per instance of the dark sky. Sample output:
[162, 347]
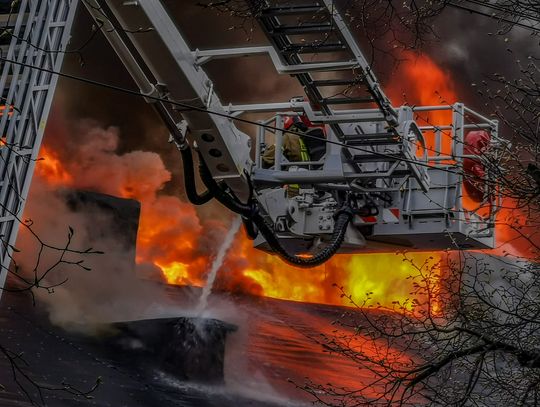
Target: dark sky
[464, 47]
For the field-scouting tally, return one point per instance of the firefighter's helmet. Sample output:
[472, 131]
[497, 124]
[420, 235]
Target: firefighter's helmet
[290, 121]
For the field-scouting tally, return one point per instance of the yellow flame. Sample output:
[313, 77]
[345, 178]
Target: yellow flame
[389, 278]
[282, 286]
[175, 272]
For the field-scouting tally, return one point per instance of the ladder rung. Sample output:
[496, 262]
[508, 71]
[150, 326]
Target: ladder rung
[346, 101]
[293, 10]
[319, 67]
[336, 82]
[368, 158]
[371, 142]
[314, 48]
[302, 29]
[371, 136]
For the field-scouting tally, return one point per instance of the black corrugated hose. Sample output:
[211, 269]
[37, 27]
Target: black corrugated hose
[189, 180]
[196, 199]
[343, 218]
[251, 214]
[251, 230]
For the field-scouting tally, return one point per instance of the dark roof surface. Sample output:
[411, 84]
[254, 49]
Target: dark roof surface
[53, 356]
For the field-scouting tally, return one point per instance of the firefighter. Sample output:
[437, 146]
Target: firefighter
[297, 147]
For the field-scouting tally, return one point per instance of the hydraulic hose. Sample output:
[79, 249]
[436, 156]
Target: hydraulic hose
[343, 218]
[189, 180]
[252, 215]
[251, 230]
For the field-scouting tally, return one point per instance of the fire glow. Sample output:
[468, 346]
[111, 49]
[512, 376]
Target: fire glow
[51, 169]
[170, 234]
[173, 239]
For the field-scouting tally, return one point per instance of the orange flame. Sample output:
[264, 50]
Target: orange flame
[175, 240]
[171, 237]
[423, 83]
[51, 169]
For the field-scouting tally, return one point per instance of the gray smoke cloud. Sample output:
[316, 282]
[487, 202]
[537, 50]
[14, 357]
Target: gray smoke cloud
[81, 299]
[471, 48]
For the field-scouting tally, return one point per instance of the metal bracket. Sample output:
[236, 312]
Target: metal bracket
[179, 139]
[204, 56]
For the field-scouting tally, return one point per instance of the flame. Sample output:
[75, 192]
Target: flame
[175, 272]
[364, 282]
[51, 170]
[516, 232]
[384, 279]
[423, 83]
[174, 239]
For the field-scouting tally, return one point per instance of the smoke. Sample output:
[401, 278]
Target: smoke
[472, 48]
[84, 157]
[81, 298]
[169, 225]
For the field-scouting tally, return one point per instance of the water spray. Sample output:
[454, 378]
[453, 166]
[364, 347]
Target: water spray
[217, 263]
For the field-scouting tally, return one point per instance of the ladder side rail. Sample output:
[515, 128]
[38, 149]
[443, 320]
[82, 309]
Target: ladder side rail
[28, 54]
[21, 92]
[368, 76]
[39, 81]
[10, 194]
[210, 131]
[17, 96]
[20, 165]
[19, 23]
[14, 53]
[44, 79]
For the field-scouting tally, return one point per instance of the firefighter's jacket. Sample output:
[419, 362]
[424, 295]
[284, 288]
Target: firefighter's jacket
[296, 148]
[292, 150]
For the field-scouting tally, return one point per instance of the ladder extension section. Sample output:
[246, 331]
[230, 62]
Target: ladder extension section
[163, 66]
[312, 43]
[316, 30]
[35, 33]
[303, 32]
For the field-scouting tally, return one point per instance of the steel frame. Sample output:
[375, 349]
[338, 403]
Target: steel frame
[390, 165]
[162, 64]
[441, 205]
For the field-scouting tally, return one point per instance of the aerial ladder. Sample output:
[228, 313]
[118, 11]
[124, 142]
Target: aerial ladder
[379, 184]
